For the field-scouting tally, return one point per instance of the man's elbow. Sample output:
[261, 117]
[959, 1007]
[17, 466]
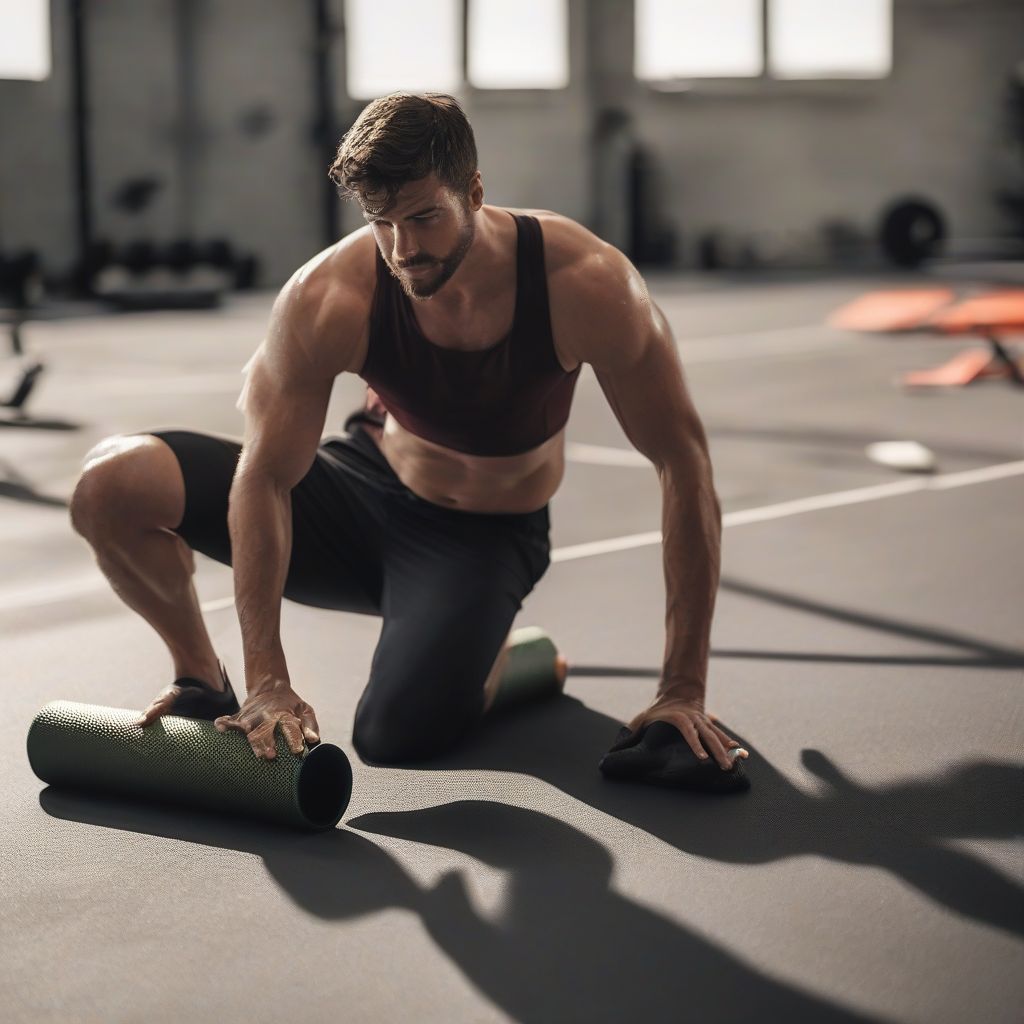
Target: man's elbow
[687, 470]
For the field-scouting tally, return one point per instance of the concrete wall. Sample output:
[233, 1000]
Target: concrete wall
[776, 160]
[259, 178]
[133, 106]
[253, 172]
[747, 158]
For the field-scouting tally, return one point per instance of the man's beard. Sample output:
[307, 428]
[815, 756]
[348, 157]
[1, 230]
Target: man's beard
[429, 284]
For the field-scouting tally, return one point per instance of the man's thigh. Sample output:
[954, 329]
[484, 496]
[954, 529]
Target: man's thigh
[452, 589]
[337, 522]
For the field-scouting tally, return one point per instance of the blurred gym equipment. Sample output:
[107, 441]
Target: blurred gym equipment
[21, 284]
[987, 316]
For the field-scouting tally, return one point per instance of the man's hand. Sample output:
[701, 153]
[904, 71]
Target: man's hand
[688, 716]
[163, 704]
[262, 712]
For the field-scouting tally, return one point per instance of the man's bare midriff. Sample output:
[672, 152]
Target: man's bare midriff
[474, 483]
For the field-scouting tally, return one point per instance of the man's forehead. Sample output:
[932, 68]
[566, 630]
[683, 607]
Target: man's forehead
[413, 195]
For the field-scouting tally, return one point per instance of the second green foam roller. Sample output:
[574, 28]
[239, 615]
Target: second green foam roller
[530, 672]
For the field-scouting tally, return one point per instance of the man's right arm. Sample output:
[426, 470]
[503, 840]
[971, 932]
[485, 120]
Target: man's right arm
[285, 401]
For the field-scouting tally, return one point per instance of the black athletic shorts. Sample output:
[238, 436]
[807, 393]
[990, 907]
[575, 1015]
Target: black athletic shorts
[447, 583]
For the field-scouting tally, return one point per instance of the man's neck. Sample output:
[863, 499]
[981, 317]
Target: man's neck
[480, 271]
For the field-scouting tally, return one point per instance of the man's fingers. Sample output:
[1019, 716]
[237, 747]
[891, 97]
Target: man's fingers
[726, 739]
[730, 743]
[310, 728]
[157, 708]
[692, 737]
[260, 730]
[715, 745]
[293, 734]
[262, 740]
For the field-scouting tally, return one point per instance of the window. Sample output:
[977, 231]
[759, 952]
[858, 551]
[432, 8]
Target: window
[837, 39]
[685, 39]
[520, 45]
[25, 39]
[698, 39]
[391, 45]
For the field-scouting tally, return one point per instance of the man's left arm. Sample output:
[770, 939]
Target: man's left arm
[629, 344]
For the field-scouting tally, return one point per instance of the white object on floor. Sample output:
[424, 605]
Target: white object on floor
[908, 456]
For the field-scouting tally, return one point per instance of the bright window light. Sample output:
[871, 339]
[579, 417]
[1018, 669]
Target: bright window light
[25, 39]
[520, 45]
[833, 39]
[393, 45]
[698, 39]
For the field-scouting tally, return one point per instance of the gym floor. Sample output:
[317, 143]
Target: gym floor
[867, 650]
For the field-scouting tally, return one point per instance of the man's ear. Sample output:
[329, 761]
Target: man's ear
[476, 192]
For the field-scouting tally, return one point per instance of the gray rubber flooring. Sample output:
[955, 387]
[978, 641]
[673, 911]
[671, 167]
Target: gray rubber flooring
[869, 655]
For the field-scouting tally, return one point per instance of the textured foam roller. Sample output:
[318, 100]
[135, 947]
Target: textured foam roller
[186, 761]
[529, 672]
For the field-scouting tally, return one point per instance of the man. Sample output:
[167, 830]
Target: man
[469, 323]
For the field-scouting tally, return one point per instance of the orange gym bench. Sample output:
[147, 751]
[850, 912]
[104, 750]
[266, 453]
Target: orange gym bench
[936, 310]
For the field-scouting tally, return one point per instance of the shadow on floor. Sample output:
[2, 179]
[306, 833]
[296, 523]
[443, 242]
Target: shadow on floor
[627, 961]
[568, 947]
[19, 492]
[899, 828]
[989, 654]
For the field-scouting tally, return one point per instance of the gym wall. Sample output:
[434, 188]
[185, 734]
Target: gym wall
[746, 158]
[749, 158]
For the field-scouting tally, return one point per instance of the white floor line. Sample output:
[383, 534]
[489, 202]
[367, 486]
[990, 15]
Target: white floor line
[815, 503]
[54, 593]
[599, 455]
[977, 476]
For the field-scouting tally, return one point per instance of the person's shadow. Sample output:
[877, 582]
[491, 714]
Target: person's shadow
[902, 828]
[565, 947]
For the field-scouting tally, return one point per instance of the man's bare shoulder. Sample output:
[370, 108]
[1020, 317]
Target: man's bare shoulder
[567, 243]
[595, 291]
[326, 302]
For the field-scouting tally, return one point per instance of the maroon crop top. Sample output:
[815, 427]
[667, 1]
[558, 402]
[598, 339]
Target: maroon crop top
[501, 400]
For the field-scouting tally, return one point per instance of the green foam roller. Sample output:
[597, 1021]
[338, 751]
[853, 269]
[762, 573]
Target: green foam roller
[529, 673]
[187, 761]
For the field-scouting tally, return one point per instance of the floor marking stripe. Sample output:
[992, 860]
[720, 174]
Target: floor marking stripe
[815, 503]
[54, 593]
[978, 476]
[599, 455]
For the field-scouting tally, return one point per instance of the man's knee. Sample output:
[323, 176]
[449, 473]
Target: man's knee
[390, 732]
[128, 478]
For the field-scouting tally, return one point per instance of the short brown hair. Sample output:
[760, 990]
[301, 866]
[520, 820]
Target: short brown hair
[401, 138]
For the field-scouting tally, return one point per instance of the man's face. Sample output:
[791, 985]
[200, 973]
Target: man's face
[424, 235]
